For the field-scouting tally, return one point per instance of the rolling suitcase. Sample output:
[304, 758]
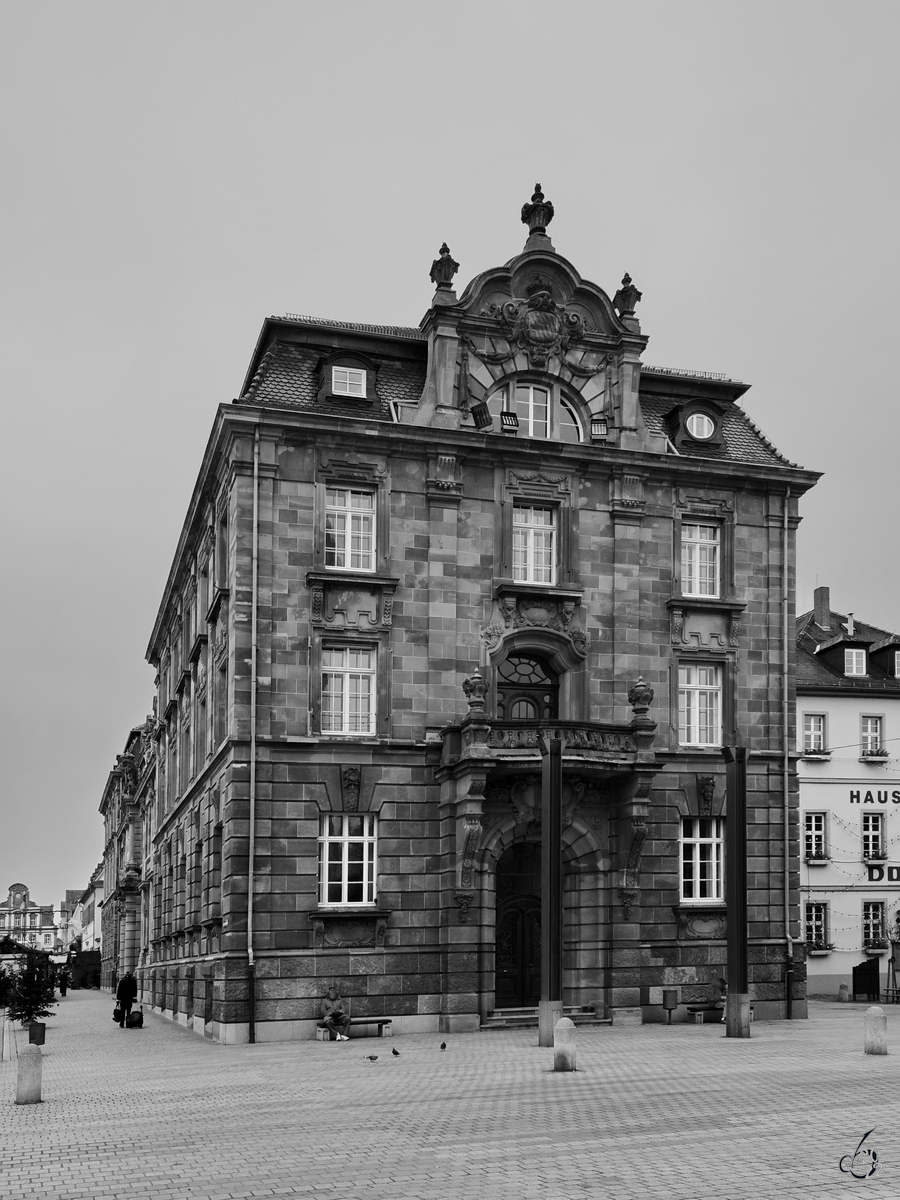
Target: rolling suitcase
[135, 1020]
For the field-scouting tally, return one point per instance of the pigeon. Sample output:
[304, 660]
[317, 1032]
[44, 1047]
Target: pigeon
[372, 1057]
[396, 1053]
[443, 1045]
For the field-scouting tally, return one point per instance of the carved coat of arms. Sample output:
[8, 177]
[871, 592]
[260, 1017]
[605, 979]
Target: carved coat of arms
[540, 327]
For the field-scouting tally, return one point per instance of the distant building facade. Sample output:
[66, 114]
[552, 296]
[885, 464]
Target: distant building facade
[122, 895]
[27, 922]
[411, 555]
[91, 910]
[848, 728]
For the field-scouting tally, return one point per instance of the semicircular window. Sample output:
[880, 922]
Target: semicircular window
[527, 689]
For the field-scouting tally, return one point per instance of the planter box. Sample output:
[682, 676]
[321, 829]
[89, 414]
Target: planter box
[817, 953]
[818, 862]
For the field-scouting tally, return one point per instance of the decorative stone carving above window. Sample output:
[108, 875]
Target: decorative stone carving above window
[700, 924]
[705, 624]
[348, 601]
[349, 929]
[517, 608]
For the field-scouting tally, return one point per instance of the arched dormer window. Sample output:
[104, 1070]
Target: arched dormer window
[540, 408]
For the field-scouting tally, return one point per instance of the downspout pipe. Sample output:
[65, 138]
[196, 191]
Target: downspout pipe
[786, 760]
[251, 850]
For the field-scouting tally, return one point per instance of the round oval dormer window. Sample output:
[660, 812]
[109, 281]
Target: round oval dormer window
[700, 426]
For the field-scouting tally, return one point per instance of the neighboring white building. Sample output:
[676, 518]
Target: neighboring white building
[848, 730]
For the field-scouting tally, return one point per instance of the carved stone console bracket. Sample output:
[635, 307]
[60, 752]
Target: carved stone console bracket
[463, 902]
[627, 899]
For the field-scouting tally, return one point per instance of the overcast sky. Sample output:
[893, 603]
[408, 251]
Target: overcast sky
[174, 172]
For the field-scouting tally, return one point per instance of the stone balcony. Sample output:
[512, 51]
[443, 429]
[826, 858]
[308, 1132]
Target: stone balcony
[607, 747]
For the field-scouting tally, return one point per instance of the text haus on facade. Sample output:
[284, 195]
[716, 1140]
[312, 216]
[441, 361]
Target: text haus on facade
[410, 556]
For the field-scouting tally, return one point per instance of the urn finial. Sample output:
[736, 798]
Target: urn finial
[539, 213]
[475, 688]
[443, 268]
[626, 297]
[640, 696]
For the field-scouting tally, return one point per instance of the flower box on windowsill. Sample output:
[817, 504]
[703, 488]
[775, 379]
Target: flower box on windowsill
[816, 755]
[875, 947]
[877, 856]
[819, 859]
[874, 756]
[818, 949]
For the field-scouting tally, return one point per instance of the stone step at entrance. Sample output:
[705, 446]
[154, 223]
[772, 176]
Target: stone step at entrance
[527, 1018]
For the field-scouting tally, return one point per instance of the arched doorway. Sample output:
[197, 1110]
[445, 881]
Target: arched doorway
[527, 689]
[517, 963]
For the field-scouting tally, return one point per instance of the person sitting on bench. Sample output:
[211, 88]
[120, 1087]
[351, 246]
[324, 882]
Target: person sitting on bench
[334, 1018]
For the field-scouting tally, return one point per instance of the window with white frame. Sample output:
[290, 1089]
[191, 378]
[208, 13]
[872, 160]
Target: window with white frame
[347, 846]
[700, 704]
[700, 559]
[873, 923]
[17, 920]
[542, 412]
[350, 528]
[814, 835]
[854, 662]
[348, 689]
[33, 920]
[871, 734]
[701, 858]
[534, 544]
[700, 426]
[348, 381]
[873, 835]
[47, 939]
[817, 925]
[897, 663]
[814, 741]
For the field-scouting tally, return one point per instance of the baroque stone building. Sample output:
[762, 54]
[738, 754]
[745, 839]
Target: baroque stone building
[412, 556]
[27, 922]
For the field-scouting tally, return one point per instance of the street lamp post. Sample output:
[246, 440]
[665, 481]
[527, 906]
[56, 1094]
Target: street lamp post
[737, 1001]
[551, 1005]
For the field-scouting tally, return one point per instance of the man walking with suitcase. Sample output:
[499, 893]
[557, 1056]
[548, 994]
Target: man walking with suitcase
[126, 994]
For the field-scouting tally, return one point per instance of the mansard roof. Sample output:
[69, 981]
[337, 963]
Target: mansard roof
[816, 671]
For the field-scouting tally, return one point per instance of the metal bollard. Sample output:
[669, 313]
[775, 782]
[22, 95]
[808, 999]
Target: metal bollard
[28, 1076]
[876, 1031]
[564, 1045]
[670, 1002]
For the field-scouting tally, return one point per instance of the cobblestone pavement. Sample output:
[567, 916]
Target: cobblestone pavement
[679, 1113]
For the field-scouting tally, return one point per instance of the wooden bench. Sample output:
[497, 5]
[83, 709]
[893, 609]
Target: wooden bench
[323, 1033]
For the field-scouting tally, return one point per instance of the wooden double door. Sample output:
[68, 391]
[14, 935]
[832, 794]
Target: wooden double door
[517, 969]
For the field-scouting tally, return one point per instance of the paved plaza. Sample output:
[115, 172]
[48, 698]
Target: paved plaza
[678, 1113]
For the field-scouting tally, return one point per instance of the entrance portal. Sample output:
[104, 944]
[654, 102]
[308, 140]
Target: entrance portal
[517, 970]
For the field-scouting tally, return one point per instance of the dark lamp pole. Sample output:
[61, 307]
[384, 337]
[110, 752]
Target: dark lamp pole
[551, 1007]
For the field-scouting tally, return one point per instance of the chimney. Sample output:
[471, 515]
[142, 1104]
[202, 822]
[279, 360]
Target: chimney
[822, 608]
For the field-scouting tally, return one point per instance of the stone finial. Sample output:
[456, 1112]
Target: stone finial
[640, 696]
[444, 268]
[539, 213]
[475, 688]
[626, 297]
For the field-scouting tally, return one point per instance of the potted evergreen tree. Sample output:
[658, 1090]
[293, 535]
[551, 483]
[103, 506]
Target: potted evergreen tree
[31, 994]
